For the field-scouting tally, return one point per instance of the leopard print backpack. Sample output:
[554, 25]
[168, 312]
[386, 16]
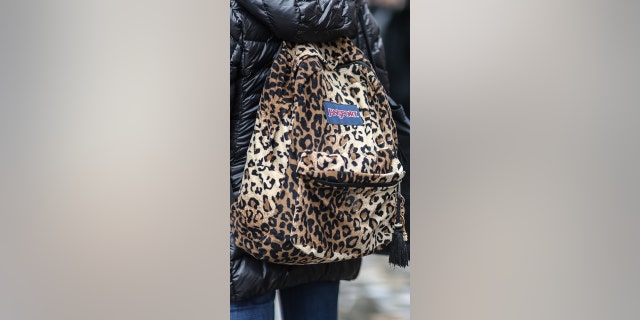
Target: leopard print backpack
[322, 178]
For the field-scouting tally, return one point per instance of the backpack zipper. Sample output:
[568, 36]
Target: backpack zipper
[346, 64]
[355, 184]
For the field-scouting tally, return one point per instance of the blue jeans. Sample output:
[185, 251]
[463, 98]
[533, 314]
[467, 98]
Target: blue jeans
[313, 301]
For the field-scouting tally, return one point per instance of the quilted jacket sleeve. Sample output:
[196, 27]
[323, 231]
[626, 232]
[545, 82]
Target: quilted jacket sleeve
[304, 20]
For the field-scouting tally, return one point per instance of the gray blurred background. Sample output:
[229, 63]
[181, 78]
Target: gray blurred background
[381, 292]
[113, 168]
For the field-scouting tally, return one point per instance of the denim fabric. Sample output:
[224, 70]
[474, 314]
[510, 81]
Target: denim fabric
[313, 301]
[257, 308]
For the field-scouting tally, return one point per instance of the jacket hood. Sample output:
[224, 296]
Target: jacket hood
[304, 20]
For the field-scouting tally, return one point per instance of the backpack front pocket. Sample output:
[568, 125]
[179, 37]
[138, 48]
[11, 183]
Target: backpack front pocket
[342, 213]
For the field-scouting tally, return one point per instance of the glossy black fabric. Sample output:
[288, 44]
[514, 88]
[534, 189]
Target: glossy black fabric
[257, 30]
[403, 126]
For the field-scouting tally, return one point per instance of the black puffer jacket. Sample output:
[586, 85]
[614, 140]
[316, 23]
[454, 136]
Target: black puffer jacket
[257, 30]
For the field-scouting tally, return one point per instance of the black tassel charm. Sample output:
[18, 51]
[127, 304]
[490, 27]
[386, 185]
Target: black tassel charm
[399, 250]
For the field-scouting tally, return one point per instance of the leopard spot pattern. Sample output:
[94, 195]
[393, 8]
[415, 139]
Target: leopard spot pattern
[314, 191]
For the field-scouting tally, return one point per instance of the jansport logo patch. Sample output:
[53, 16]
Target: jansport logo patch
[346, 114]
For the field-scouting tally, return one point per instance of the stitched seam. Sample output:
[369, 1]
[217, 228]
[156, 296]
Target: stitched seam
[268, 14]
[296, 4]
[242, 80]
